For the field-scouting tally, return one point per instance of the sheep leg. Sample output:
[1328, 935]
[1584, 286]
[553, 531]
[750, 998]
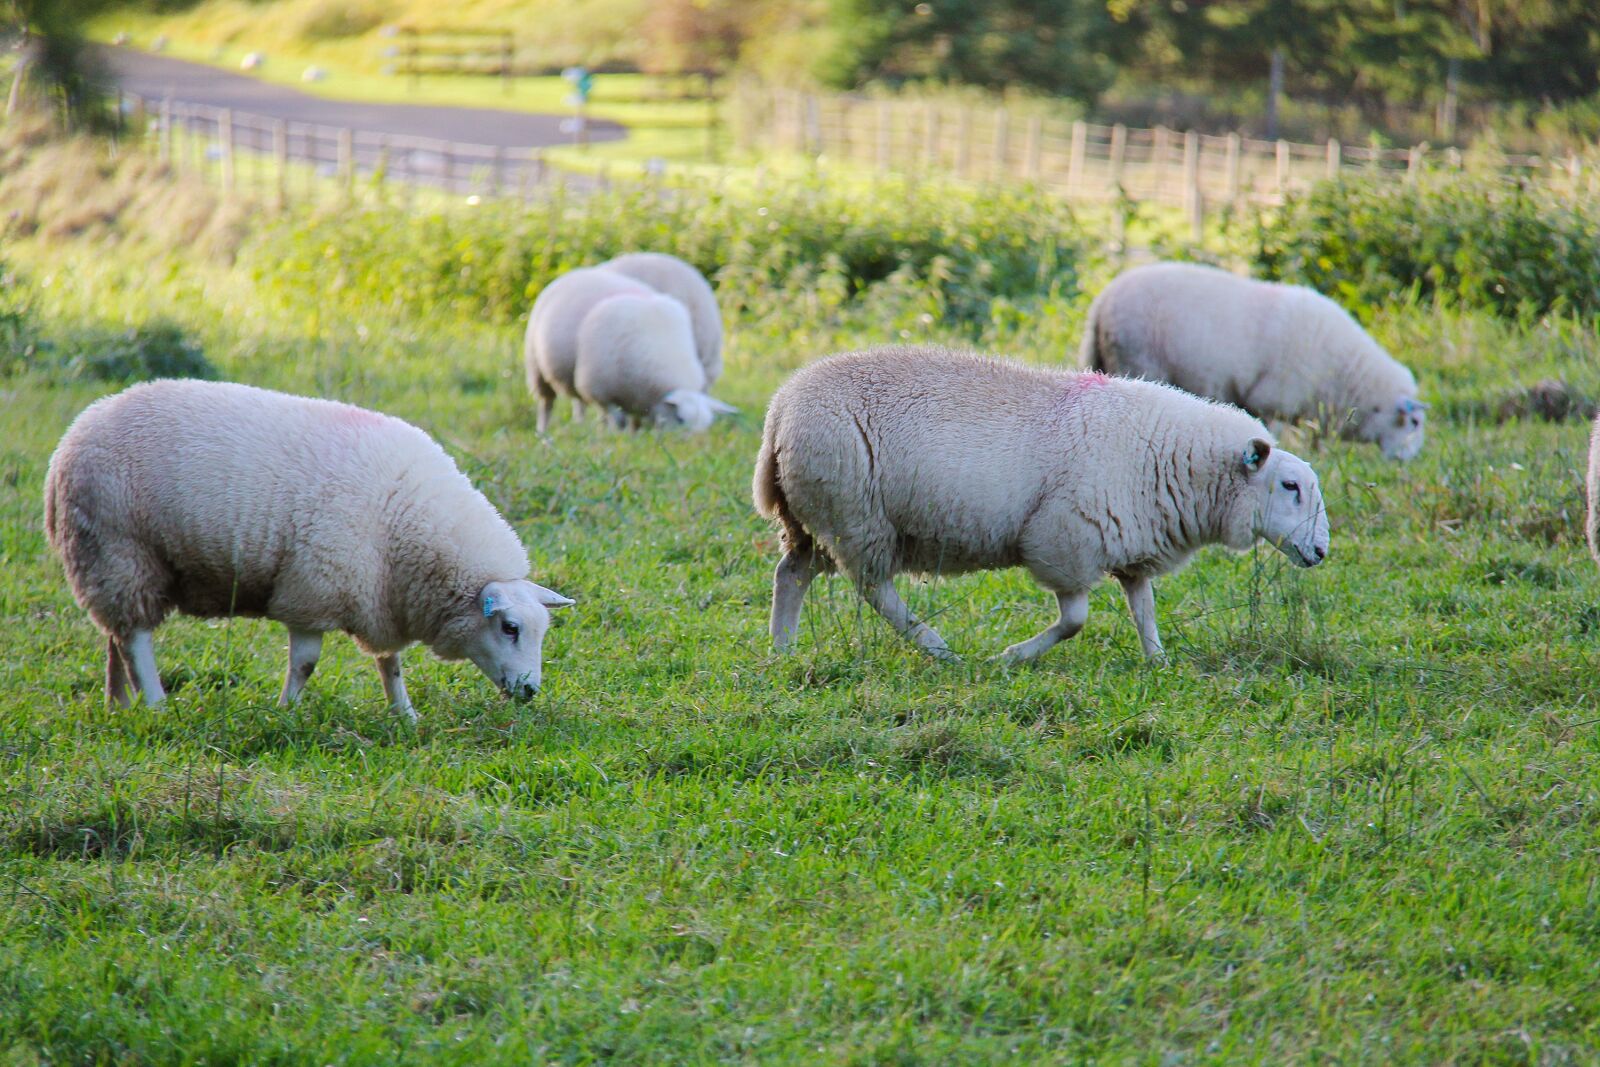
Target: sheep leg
[577, 410]
[547, 404]
[394, 685]
[141, 655]
[304, 649]
[1142, 606]
[789, 584]
[885, 600]
[1074, 613]
[116, 675]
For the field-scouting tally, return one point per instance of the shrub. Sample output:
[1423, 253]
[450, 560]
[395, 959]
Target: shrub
[1473, 241]
[967, 246]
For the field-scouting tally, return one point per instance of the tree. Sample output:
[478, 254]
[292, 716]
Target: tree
[1056, 46]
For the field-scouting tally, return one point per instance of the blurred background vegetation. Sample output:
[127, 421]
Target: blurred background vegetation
[1409, 70]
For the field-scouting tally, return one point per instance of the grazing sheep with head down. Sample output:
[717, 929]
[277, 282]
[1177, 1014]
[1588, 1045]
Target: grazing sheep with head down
[636, 358]
[677, 279]
[1278, 351]
[925, 460]
[216, 499]
[550, 349]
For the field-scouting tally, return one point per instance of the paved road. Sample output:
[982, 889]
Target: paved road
[158, 76]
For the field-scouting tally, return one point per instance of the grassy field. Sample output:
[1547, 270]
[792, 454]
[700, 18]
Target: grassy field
[1354, 820]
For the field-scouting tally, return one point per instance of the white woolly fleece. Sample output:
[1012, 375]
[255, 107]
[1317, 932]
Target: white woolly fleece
[220, 499]
[1278, 351]
[677, 279]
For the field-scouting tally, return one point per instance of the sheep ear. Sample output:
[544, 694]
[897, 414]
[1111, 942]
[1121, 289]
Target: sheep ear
[1255, 455]
[720, 408]
[550, 598]
[678, 398]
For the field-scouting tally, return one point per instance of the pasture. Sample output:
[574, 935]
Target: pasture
[1353, 820]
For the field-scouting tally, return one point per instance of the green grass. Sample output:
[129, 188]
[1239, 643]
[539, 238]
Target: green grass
[1354, 820]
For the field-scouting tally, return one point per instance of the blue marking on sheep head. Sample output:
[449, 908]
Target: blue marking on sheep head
[488, 606]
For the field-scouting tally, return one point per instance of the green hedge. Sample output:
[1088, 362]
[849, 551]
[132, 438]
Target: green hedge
[970, 245]
[1476, 242]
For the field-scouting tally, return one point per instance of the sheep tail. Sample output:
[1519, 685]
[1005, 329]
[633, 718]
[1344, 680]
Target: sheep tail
[768, 492]
[1090, 356]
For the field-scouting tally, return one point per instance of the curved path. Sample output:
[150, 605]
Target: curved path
[157, 77]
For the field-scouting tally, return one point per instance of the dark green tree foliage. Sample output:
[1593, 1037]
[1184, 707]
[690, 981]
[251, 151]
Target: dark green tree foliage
[1372, 51]
[57, 61]
[1056, 46]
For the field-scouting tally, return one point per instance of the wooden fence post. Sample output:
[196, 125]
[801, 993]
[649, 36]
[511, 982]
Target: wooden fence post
[999, 165]
[1335, 158]
[280, 158]
[497, 166]
[1282, 155]
[1193, 197]
[814, 125]
[1119, 152]
[931, 138]
[964, 143]
[347, 160]
[1158, 160]
[1414, 160]
[1231, 167]
[225, 138]
[885, 134]
[1080, 144]
[165, 132]
[1032, 165]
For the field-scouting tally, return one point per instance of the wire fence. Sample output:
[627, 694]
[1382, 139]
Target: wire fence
[1090, 161]
[280, 162]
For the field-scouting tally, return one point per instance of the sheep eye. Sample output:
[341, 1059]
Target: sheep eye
[510, 629]
[1293, 487]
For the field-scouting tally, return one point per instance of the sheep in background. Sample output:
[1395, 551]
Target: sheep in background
[916, 458]
[550, 348]
[216, 499]
[677, 279]
[636, 356]
[1278, 351]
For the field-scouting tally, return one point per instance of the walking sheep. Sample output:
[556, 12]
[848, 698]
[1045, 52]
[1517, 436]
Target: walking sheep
[1278, 351]
[677, 279]
[550, 349]
[216, 499]
[913, 458]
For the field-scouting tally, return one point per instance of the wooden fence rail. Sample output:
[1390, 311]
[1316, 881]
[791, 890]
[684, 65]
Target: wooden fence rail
[1091, 161]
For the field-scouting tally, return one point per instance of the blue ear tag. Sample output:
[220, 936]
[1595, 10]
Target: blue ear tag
[488, 606]
[1251, 458]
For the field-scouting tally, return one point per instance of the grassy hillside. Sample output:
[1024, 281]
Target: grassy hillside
[1353, 819]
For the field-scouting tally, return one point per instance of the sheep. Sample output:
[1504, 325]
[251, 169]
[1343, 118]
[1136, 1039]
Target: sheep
[217, 499]
[672, 276]
[636, 356]
[1278, 351]
[922, 459]
[550, 349]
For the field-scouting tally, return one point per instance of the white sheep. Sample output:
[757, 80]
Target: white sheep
[636, 357]
[1278, 351]
[550, 348]
[216, 499]
[911, 458]
[672, 276]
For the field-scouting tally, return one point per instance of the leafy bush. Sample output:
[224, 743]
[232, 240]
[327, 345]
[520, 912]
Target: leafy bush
[155, 350]
[968, 247]
[1472, 241]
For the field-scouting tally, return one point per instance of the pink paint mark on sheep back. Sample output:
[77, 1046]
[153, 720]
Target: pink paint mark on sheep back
[1083, 383]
